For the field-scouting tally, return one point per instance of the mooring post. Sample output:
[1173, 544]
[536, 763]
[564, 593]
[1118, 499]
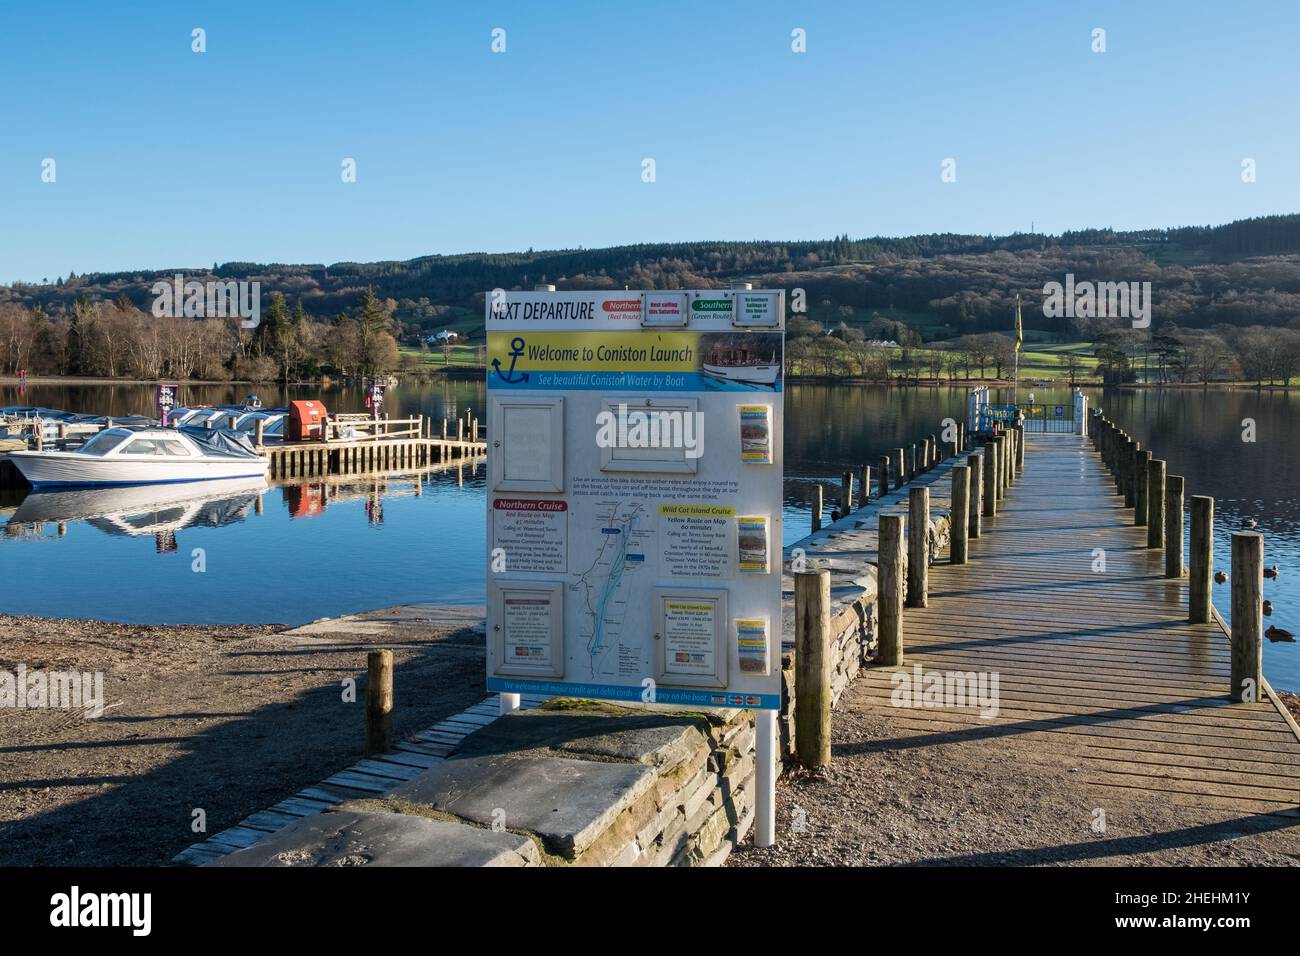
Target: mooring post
[1156, 503]
[1127, 454]
[1000, 459]
[1020, 447]
[889, 588]
[865, 492]
[1174, 526]
[259, 431]
[900, 467]
[846, 493]
[975, 461]
[1141, 477]
[1247, 616]
[379, 702]
[990, 490]
[918, 547]
[911, 463]
[812, 667]
[884, 475]
[817, 507]
[959, 519]
[1200, 560]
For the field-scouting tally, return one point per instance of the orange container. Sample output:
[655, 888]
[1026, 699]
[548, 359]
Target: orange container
[307, 421]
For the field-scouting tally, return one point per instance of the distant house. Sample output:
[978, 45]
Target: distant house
[444, 337]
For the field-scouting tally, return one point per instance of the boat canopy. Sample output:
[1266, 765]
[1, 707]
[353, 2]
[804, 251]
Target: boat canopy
[221, 442]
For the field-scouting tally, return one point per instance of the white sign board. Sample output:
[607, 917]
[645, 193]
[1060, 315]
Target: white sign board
[635, 492]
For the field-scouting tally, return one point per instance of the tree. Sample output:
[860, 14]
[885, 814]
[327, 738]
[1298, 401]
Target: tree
[1072, 364]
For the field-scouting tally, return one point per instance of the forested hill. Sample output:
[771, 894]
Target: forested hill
[1245, 272]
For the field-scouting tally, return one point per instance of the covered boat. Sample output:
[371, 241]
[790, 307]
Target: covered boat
[142, 456]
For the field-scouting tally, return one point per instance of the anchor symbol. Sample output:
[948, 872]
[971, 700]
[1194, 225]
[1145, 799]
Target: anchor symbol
[516, 350]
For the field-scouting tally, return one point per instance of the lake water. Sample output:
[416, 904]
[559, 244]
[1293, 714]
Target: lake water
[309, 549]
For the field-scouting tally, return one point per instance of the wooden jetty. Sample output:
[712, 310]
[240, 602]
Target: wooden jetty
[1086, 622]
[357, 444]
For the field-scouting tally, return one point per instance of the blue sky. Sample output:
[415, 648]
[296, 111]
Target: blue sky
[168, 158]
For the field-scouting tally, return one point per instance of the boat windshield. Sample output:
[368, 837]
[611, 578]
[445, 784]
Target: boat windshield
[103, 443]
[157, 446]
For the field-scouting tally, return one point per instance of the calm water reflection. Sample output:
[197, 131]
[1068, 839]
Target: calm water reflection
[306, 550]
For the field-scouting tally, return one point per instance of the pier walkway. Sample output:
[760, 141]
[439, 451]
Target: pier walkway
[1114, 740]
[1102, 662]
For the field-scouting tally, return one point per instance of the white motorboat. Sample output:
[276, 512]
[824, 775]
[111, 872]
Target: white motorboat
[740, 365]
[143, 456]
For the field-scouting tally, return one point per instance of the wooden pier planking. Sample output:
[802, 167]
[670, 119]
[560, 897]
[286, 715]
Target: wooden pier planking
[1100, 666]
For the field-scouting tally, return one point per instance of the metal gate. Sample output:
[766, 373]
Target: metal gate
[1039, 417]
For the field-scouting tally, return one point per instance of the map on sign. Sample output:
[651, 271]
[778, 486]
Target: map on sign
[602, 587]
[635, 495]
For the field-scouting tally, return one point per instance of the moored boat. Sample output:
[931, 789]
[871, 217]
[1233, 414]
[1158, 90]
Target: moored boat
[141, 456]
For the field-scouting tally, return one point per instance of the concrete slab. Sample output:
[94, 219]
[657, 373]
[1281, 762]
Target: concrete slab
[350, 838]
[566, 802]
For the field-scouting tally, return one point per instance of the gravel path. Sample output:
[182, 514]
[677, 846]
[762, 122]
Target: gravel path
[974, 803]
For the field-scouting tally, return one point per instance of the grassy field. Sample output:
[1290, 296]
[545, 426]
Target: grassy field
[434, 357]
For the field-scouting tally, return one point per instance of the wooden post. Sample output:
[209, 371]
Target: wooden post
[883, 468]
[379, 702]
[1247, 616]
[38, 436]
[866, 487]
[846, 493]
[911, 463]
[918, 547]
[900, 468]
[63, 431]
[990, 491]
[1000, 478]
[1128, 456]
[817, 507]
[959, 517]
[1200, 560]
[1156, 503]
[889, 590]
[1174, 526]
[926, 455]
[1141, 477]
[1020, 448]
[936, 451]
[812, 667]
[259, 431]
[975, 460]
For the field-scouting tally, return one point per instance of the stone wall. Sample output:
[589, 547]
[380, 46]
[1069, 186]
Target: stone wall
[570, 783]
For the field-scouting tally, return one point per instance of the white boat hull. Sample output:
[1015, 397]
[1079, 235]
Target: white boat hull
[748, 374]
[54, 469]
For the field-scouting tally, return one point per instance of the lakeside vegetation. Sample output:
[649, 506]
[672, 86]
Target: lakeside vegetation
[1226, 307]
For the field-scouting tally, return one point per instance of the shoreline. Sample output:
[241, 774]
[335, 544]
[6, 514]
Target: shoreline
[455, 372]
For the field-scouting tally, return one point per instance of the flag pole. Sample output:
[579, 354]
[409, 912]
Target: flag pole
[1015, 375]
